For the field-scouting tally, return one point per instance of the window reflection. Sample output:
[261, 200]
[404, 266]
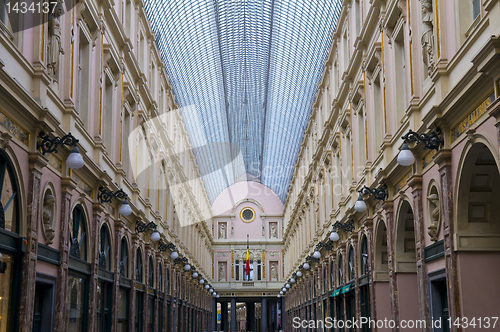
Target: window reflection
[74, 303]
[6, 282]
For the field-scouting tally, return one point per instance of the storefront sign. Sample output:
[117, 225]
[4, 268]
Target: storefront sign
[472, 117]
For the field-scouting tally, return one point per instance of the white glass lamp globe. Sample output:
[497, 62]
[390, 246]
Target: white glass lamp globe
[279, 295]
[155, 236]
[217, 296]
[125, 209]
[299, 274]
[283, 289]
[207, 286]
[287, 285]
[195, 274]
[360, 205]
[292, 280]
[202, 281]
[334, 236]
[405, 156]
[306, 266]
[187, 267]
[174, 254]
[75, 159]
[281, 292]
[317, 254]
[211, 290]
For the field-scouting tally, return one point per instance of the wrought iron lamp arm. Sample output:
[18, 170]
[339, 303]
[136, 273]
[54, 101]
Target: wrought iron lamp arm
[379, 193]
[432, 140]
[49, 145]
[105, 195]
[142, 227]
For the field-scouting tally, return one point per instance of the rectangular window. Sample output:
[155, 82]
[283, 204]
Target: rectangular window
[237, 269]
[259, 270]
[75, 303]
[122, 310]
[108, 116]
[476, 9]
[83, 79]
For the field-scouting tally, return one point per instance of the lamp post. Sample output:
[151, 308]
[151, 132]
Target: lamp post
[49, 145]
[142, 227]
[432, 140]
[105, 196]
[379, 193]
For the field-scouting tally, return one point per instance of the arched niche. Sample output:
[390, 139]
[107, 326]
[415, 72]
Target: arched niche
[477, 206]
[405, 254]
[381, 259]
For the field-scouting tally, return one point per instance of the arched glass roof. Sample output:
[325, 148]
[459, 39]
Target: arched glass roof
[250, 68]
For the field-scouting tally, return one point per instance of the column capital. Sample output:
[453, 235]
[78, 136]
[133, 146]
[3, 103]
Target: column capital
[443, 158]
[415, 182]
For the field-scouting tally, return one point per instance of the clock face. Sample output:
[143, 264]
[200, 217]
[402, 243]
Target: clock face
[247, 215]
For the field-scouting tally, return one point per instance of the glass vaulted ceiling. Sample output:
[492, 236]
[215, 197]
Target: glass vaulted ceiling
[245, 75]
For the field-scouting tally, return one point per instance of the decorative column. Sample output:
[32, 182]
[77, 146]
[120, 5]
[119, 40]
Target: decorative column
[443, 159]
[415, 182]
[388, 206]
[264, 315]
[223, 317]
[214, 314]
[67, 186]
[233, 314]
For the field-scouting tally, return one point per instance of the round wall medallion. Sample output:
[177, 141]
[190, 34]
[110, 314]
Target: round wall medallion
[247, 214]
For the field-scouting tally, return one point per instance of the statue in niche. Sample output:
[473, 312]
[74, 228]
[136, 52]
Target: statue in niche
[274, 234]
[428, 35]
[54, 45]
[274, 272]
[48, 210]
[222, 231]
[435, 222]
[222, 273]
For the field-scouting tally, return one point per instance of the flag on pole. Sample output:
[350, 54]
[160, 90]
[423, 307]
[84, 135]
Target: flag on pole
[248, 262]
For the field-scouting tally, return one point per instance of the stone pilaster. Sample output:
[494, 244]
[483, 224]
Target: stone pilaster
[36, 163]
[389, 216]
[119, 232]
[60, 319]
[133, 292]
[93, 253]
[443, 160]
[415, 182]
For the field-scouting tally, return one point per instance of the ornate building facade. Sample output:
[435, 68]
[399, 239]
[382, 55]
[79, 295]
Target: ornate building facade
[430, 249]
[71, 258]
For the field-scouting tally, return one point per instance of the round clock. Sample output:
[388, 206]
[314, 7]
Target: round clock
[247, 214]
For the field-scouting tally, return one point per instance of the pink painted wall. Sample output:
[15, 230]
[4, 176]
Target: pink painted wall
[408, 296]
[383, 302]
[478, 278]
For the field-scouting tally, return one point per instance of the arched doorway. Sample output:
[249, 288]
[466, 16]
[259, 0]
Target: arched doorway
[406, 263]
[478, 231]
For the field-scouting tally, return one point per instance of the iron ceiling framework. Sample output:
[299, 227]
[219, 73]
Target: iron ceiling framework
[250, 68]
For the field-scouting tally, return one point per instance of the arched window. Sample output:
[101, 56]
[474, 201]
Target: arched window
[138, 266]
[160, 277]
[351, 264]
[151, 276]
[124, 258]
[364, 256]
[78, 233]
[105, 248]
[341, 271]
[9, 202]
